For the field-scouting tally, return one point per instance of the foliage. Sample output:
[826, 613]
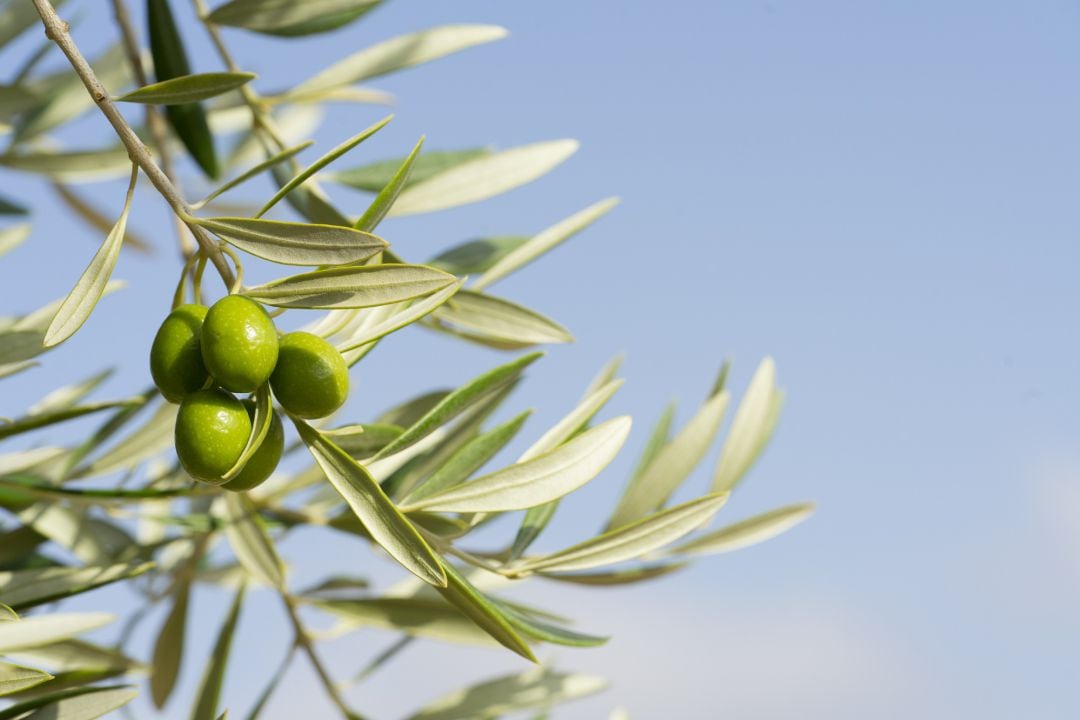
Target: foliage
[413, 481]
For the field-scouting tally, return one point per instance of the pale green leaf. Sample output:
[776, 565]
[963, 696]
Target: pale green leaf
[373, 508]
[301, 177]
[542, 479]
[658, 438]
[463, 595]
[80, 302]
[188, 88]
[544, 241]
[44, 419]
[363, 440]
[13, 236]
[353, 286]
[261, 420]
[73, 165]
[148, 440]
[78, 704]
[377, 176]
[624, 576]
[407, 315]
[417, 617]
[20, 460]
[73, 655]
[249, 540]
[44, 629]
[254, 171]
[630, 541]
[398, 53]
[66, 396]
[288, 18]
[539, 688]
[209, 693]
[23, 589]
[14, 678]
[751, 427]
[746, 532]
[483, 177]
[498, 322]
[548, 632]
[292, 243]
[16, 17]
[92, 540]
[476, 256]
[169, 645]
[389, 193]
[672, 464]
[456, 402]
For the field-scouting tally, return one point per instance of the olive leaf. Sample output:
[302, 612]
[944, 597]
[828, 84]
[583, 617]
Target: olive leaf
[544, 242]
[624, 576]
[498, 322]
[24, 589]
[745, 533]
[751, 427]
[170, 61]
[542, 479]
[52, 417]
[377, 176]
[463, 595]
[249, 540]
[253, 171]
[188, 88]
[672, 465]
[14, 678]
[544, 631]
[630, 541]
[417, 617]
[80, 302]
[45, 629]
[398, 53]
[80, 703]
[287, 18]
[373, 508]
[476, 256]
[299, 179]
[353, 286]
[17, 17]
[75, 165]
[260, 426]
[409, 314]
[483, 177]
[292, 243]
[13, 236]
[169, 645]
[209, 694]
[539, 688]
[388, 195]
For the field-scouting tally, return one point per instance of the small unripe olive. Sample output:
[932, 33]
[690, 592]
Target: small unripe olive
[262, 463]
[311, 379]
[176, 362]
[212, 428]
[239, 343]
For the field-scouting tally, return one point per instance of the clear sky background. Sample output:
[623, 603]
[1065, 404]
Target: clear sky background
[879, 195]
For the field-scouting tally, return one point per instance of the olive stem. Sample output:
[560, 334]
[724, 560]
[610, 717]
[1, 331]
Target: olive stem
[58, 31]
[154, 121]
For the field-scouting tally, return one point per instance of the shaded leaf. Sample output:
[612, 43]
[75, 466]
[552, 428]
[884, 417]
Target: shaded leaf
[24, 589]
[417, 617]
[476, 256]
[353, 286]
[70, 164]
[188, 88]
[548, 632]
[169, 646]
[616, 577]
[86, 703]
[288, 18]
[292, 243]
[254, 170]
[377, 176]
[209, 693]
[478, 608]
[389, 193]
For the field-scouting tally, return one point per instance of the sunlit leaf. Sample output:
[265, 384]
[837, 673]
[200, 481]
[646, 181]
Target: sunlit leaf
[419, 617]
[14, 678]
[287, 18]
[548, 632]
[476, 256]
[169, 646]
[498, 322]
[352, 286]
[483, 177]
[13, 236]
[539, 688]
[397, 320]
[45, 629]
[746, 532]
[145, 442]
[388, 195]
[23, 589]
[477, 607]
[751, 427]
[209, 693]
[614, 578]
[249, 539]
[188, 88]
[72, 165]
[85, 703]
[377, 176]
[292, 243]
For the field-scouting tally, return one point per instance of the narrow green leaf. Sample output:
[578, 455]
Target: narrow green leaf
[544, 241]
[44, 629]
[458, 401]
[352, 286]
[476, 256]
[24, 589]
[16, 17]
[249, 540]
[498, 322]
[170, 61]
[630, 541]
[80, 302]
[377, 176]
[287, 18]
[658, 438]
[322, 162]
[74, 165]
[363, 440]
[612, 578]
[255, 170]
[751, 428]
[477, 607]
[389, 193]
[548, 632]
[209, 694]
[398, 53]
[542, 479]
[85, 703]
[406, 316]
[747, 532]
[40, 420]
[483, 177]
[14, 678]
[66, 396]
[292, 243]
[468, 459]
[92, 540]
[373, 508]
[96, 219]
[169, 646]
[417, 617]
[672, 464]
[260, 426]
[188, 88]
[68, 656]
[12, 237]
[511, 694]
[145, 442]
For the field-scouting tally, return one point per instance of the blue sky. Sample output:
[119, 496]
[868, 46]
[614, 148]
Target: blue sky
[879, 195]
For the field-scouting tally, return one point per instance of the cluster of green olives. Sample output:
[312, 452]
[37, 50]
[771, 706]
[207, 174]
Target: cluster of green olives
[201, 356]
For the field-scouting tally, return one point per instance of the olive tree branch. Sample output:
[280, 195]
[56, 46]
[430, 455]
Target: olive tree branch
[57, 30]
[154, 121]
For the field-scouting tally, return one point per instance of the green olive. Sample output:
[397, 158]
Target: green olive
[212, 428]
[260, 465]
[176, 362]
[239, 343]
[311, 379]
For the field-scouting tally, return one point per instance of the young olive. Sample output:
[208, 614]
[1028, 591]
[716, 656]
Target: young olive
[176, 362]
[239, 343]
[260, 465]
[311, 379]
[212, 428]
